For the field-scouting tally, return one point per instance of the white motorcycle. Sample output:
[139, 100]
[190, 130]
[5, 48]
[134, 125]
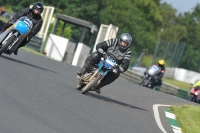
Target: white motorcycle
[150, 77]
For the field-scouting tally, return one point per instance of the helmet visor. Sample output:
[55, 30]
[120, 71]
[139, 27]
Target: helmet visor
[124, 44]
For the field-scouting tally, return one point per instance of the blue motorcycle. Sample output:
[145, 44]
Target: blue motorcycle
[95, 75]
[11, 38]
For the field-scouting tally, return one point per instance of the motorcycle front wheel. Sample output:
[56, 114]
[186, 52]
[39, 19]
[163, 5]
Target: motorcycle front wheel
[142, 82]
[192, 98]
[91, 84]
[5, 46]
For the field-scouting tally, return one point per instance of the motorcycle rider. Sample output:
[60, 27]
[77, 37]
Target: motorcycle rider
[158, 77]
[118, 49]
[197, 84]
[34, 14]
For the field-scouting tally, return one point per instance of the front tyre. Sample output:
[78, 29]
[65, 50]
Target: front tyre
[192, 98]
[91, 84]
[142, 82]
[5, 46]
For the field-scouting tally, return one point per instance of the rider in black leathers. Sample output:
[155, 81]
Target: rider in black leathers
[35, 15]
[118, 49]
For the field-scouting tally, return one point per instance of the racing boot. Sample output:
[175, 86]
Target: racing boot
[98, 90]
[16, 51]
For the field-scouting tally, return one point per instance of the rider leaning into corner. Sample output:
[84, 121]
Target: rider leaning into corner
[119, 50]
[197, 83]
[34, 14]
[158, 78]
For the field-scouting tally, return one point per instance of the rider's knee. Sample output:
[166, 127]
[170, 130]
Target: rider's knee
[94, 58]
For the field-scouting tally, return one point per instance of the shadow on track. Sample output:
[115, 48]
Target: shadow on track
[103, 98]
[25, 63]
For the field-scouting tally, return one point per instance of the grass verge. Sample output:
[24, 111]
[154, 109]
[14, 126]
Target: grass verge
[3, 19]
[32, 51]
[188, 117]
[182, 85]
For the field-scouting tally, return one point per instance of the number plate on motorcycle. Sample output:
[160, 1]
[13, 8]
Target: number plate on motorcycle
[110, 62]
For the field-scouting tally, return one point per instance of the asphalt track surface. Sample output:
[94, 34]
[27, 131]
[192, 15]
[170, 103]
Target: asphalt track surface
[38, 95]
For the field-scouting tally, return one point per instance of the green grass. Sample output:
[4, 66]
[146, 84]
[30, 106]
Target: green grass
[32, 51]
[3, 19]
[182, 85]
[188, 117]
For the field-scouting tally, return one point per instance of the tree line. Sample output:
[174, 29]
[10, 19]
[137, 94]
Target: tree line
[146, 20]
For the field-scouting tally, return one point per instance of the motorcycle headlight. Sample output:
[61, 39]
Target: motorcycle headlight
[196, 93]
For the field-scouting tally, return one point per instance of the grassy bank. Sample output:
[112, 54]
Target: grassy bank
[182, 85]
[3, 19]
[188, 118]
[31, 51]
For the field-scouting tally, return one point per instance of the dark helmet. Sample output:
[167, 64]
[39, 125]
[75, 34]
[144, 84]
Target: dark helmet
[39, 6]
[126, 38]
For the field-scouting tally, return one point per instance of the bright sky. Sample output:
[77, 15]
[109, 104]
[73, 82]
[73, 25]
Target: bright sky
[182, 5]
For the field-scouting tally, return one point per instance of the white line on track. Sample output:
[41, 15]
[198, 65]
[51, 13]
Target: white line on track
[157, 116]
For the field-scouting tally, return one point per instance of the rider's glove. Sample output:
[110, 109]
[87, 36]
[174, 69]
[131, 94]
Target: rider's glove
[100, 50]
[102, 53]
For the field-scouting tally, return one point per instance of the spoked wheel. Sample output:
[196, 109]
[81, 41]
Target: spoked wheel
[92, 83]
[142, 82]
[5, 46]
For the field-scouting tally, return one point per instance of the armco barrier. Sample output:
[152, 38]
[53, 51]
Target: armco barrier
[131, 76]
[182, 93]
[167, 88]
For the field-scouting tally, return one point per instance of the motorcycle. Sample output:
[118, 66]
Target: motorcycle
[150, 77]
[11, 38]
[94, 76]
[194, 94]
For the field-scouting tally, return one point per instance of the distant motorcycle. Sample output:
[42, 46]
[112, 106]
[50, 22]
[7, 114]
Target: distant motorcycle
[11, 38]
[194, 94]
[95, 75]
[150, 77]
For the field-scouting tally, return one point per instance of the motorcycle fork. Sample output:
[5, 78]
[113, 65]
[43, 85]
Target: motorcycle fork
[13, 43]
[5, 40]
[147, 81]
[95, 73]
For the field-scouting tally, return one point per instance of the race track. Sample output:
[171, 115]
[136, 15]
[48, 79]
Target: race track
[38, 95]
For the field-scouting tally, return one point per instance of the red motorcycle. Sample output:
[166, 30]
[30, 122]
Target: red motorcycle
[194, 94]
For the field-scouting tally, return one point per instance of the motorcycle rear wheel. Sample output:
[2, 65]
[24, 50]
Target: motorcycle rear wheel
[5, 46]
[89, 86]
